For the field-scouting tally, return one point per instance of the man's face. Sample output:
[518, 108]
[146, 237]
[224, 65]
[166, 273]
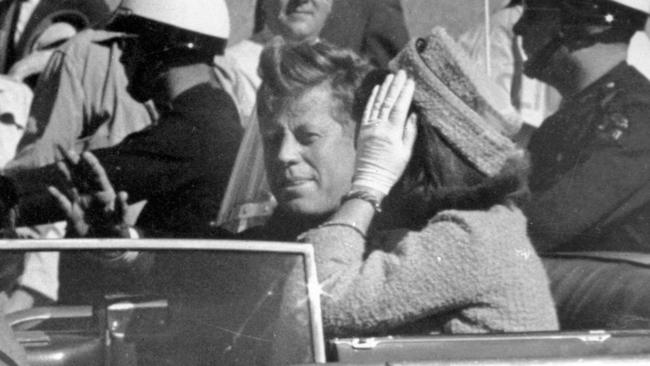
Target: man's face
[538, 26]
[297, 20]
[133, 60]
[309, 155]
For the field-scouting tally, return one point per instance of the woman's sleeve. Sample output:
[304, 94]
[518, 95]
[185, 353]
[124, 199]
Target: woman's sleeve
[426, 272]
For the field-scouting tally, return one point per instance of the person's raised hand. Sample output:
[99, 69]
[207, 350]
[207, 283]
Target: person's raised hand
[88, 199]
[386, 136]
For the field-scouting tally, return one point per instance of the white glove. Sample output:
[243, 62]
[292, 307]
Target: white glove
[386, 136]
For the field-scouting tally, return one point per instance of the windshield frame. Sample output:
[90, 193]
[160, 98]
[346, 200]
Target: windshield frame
[304, 250]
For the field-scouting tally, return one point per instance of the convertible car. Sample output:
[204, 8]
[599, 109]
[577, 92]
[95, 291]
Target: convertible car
[267, 316]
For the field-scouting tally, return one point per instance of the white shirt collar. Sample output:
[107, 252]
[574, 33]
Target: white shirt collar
[638, 54]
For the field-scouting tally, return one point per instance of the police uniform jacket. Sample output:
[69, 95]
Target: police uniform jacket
[180, 166]
[590, 177]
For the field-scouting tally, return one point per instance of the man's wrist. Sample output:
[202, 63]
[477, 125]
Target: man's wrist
[379, 194]
[369, 195]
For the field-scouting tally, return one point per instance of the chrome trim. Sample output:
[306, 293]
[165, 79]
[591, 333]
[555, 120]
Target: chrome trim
[51, 312]
[154, 244]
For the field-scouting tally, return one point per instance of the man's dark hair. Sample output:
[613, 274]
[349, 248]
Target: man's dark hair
[290, 69]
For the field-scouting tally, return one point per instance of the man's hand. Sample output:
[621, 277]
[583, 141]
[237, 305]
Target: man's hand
[89, 201]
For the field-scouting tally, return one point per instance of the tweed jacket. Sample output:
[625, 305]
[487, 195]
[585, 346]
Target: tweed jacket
[465, 272]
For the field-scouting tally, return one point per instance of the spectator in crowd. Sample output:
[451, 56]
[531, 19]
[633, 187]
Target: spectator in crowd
[450, 235]
[375, 29]
[16, 93]
[188, 154]
[589, 178]
[38, 284]
[15, 98]
[80, 102]
[67, 79]
[295, 20]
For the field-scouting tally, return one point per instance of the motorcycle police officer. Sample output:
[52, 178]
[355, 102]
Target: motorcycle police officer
[589, 161]
[182, 164]
[590, 179]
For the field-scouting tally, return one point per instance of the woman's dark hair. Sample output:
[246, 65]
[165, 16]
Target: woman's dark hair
[438, 177]
[289, 69]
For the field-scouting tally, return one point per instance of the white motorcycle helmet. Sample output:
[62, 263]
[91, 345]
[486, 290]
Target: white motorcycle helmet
[168, 25]
[619, 20]
[168, 33]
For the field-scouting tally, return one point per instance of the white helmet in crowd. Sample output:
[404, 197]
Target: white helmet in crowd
[197, 25]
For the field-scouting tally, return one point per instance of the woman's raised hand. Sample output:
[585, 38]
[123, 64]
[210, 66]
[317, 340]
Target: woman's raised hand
[386, 136]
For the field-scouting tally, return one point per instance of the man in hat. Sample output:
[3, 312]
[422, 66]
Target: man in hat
[590, 182]
[588, 159]
[181, 165]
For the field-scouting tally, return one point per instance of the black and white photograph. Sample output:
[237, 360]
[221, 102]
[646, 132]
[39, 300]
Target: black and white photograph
[335, 182]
